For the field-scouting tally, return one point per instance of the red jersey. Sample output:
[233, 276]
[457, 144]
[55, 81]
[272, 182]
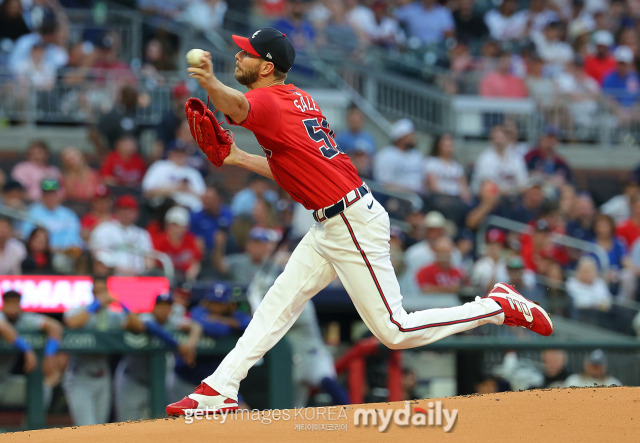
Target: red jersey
[597, 68]
[434, 275]
[128, 172]
[303, 156]
[629, 231]
[183, 255]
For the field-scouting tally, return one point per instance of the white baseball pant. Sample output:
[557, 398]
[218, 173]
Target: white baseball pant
[89, 398]
[353, 245]
[131, 398]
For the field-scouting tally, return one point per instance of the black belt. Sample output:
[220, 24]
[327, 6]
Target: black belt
[323, 214]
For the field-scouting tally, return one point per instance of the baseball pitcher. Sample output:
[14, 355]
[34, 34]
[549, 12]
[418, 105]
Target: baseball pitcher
[350, 238]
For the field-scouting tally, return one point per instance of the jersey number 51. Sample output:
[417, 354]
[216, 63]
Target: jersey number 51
[319, 131]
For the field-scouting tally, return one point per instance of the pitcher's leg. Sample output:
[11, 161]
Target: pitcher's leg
[306, 273]
[366, 272]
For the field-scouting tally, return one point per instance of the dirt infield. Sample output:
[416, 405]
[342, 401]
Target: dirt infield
[585, 414]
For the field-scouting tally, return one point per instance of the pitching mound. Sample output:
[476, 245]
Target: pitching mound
[585, 414]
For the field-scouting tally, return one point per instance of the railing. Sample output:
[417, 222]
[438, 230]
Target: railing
[475, 115]
[397, 97]
[165, 261]
[279, 386]
[127, 25]
[561, 239]
[385, 84]
[82, 102]
[16, 214]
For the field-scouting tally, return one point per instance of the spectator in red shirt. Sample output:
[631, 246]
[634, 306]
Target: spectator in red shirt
[124, 166]
[180, 244]
[440, 277]
[629, 230]
[501, 82]
[539, 251]
[601, 63]
[101, 210]
[109, 64]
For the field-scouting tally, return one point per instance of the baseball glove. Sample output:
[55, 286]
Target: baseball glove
[212, 139]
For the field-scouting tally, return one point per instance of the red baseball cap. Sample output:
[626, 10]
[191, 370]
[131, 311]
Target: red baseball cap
[127, 202]
[271, 45]
[495, 236]
[180, 90]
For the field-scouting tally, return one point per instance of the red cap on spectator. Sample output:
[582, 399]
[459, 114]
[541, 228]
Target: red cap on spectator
[127, 202]
[102, 191]
[495, 236]
[180, 90]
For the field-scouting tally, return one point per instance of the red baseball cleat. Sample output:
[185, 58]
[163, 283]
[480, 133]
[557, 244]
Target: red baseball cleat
[204, 398]
[518, 311]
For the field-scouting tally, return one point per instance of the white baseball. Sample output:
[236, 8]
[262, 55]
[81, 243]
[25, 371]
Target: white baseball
[194, 57]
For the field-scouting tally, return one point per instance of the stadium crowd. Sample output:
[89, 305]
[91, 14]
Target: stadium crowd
[116, 218]
[111, 211]
[576, 59]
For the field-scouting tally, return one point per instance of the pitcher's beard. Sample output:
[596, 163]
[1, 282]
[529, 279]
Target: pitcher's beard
[246, 77]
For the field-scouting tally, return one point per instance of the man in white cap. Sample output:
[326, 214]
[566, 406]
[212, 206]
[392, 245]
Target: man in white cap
[421, 254]
[400, 167]
[601, 62]
[501, 164]
[179, 244]
[623, 85]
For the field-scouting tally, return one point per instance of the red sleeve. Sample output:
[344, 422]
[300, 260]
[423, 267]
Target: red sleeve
[526, 251]
[426, 276]
[106, 170]
[264, 112]
[157, 240]
[588, 67]
[458, 273]
[621, 231]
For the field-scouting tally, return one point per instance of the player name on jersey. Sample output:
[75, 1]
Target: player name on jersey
[305, 103]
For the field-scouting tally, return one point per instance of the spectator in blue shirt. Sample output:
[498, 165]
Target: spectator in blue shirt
[580, 225]
[220, 317]
[426, 20]
[531, 204]
[623, 85]
[62, 223]
[357, 143]
[299, 30]
[214, 216]
[620, 277]
[356, 138]
[257, 186]
[218, 313]
[545, 163]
